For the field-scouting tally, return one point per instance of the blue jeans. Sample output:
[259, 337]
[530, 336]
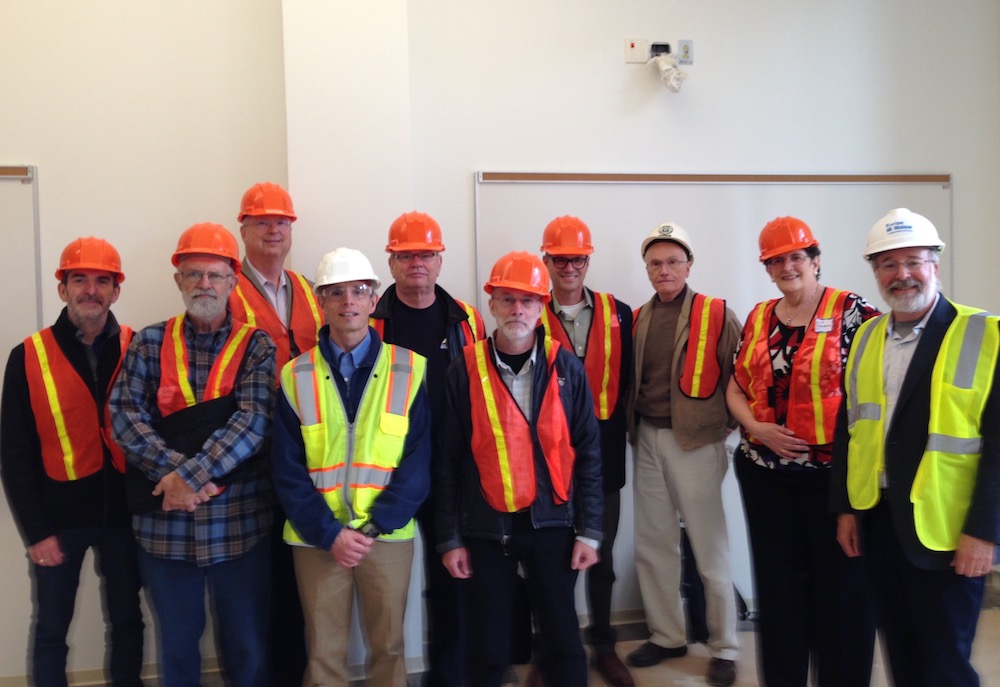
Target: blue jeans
[239, 590]
[55, 598]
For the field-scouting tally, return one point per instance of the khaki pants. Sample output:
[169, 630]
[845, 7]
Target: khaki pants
[327, 591]
[672, 484]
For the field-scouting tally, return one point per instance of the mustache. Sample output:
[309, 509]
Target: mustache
[904, 284]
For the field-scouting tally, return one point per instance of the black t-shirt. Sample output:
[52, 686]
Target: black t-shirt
[423, 330]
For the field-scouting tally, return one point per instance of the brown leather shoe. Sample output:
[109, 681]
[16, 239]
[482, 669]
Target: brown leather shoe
[612, 670]
[534, 678]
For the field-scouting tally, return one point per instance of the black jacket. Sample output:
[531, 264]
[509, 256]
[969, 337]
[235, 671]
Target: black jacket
[905, 443]
[42, 506]
[462, 511]
[613, 434]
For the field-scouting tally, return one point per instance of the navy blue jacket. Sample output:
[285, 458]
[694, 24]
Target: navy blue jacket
[462, 511]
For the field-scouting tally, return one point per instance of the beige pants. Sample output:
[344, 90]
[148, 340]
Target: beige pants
[672, 484]
[327, 591]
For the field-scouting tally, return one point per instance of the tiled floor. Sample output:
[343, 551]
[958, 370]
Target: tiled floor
[689, 671]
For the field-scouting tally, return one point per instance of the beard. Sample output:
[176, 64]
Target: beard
[209, 307]
[912, 303]
[516, 330]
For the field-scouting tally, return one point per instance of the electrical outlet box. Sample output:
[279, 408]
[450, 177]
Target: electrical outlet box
[636, 50]
[685, 52]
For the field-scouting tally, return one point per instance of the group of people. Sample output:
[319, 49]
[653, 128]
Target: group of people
[277, 446]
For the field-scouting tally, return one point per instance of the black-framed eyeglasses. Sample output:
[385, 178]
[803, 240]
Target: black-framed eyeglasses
[578, 262]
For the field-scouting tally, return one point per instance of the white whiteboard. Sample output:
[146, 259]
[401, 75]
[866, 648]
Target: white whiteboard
[723, 214]
[19, 258]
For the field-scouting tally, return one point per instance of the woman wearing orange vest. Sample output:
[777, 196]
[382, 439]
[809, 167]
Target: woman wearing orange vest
[785, 391]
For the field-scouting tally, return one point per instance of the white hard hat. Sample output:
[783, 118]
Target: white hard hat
[344, 265]
[902, 228]
[668, 231]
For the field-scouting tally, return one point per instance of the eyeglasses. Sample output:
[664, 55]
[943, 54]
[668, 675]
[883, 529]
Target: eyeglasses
[410, 257]
[195, 277]
[795, 259]
[673, 264]
[526, 301]
[265, 224]
[338, 291]
[579, 262]
[911, 265]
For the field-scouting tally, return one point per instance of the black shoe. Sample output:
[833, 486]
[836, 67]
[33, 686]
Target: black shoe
[650, 654]
[721, 672]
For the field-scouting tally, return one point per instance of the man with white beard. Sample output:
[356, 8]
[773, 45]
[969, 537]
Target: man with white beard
[917, 457]
[191, 410]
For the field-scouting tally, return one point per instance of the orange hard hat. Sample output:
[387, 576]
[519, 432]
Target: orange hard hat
[784, 234]
[207, 239]
[521, 271]
[567, 235]
[90, 253]
[414, 231]
[266, 199]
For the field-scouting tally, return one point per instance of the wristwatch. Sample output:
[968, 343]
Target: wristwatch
[370, 529]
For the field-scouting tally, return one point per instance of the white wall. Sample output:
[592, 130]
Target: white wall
[146, 117]
[143, 118]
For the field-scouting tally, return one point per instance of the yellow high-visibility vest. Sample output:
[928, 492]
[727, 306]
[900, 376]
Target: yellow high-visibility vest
[352, 463]
[960, 385]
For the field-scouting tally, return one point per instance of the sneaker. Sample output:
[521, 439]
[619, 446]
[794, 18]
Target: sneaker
[650, 654]
[721, 672]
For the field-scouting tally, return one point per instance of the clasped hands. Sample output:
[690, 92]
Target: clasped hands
[177, 495]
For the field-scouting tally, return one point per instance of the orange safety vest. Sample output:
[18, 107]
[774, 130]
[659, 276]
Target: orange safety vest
[72, 443]
[175, 392]
[815, 388]
[473, 328]
[702, 371]
[603, 359]
[250, 306]
[501, 435]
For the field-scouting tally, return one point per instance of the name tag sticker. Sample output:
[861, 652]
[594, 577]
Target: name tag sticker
[824, 325]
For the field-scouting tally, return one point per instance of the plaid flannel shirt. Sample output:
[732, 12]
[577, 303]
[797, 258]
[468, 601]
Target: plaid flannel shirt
[229, 524]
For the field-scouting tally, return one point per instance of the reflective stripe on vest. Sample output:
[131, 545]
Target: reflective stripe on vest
[602, 361]
[815, 388]
[350, 464]
[474, 329]
[175, 391]
[71, 431]
[249, 305]
[961, 382]
[700, 377]
[502, 443]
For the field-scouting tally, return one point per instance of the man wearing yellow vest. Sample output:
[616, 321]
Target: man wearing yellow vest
[677, 415]
[598, 329]
[917, 457]
[519, 479]
[63, 476]
[191, 409]
[280, 302]
[351, 465]
[418, 314]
